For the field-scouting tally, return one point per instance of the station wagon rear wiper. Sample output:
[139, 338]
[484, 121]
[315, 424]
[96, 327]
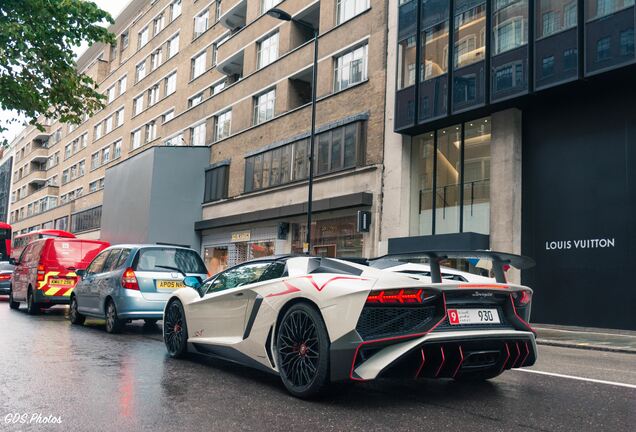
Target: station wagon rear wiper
[172, 268]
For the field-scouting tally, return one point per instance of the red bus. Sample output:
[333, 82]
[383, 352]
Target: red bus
[5, 241]
[20, 241]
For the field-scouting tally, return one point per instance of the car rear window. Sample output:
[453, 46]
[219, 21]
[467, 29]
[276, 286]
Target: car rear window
[74, 252]
[188, 261]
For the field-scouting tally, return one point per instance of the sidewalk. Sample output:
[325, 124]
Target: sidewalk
[586, 338]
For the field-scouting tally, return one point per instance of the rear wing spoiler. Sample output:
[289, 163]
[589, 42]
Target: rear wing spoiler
[498, 259]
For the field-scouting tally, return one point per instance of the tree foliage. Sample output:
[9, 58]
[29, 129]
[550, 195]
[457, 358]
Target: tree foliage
[37, 62]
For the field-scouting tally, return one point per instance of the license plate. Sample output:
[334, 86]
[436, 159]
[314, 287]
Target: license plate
[62, 282]
[473, 316]
[168, 284]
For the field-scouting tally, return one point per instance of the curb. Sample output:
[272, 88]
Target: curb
[584, 346]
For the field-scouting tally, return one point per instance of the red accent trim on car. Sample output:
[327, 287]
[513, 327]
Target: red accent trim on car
[290, 289]
[514, 309]
[503, 366]
[439, 369]
[411, 336]
[514, 363]
[419, 369]
[461, 361]
[320, 288]
[526, 356]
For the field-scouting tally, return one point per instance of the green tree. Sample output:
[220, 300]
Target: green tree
[37, 63]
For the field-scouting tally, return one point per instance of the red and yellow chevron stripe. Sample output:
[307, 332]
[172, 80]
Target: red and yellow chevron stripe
[52, 290]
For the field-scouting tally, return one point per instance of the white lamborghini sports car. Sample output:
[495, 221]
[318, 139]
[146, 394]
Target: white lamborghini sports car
[316, 320]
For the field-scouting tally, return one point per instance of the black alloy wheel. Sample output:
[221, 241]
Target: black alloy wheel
[12, 303]
[113, 323]
[32, 307]
[303, 351]
[73, 313]
[175, 330]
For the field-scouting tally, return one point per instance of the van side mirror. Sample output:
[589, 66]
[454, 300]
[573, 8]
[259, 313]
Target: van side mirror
[192, 282]
[81, 273]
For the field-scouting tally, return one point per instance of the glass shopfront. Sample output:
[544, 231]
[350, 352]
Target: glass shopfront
[451, 180]
[337, 237]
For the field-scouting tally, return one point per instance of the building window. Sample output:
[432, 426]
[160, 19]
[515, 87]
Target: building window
[470, 40]
[201, 23]
[603, 49]
[347, 9]
[264, 106]
[436, 169]
[173, 46]
[155, 59]
[627, 43]
[570, 15]
[111, 94]
[120, 117]
[267, 50]
[406, 63]
[124, 40]
[216, 183]
[140, 71]
[351, 68]
[109, 124]
[510, 32]
[136, 139]
[106, 155]
[547, 66]
[570, 59]
[176, 140]
[198, 135]
[122, 85]
[337, 149]
[195, 100]
[153, 95]
[151, 131]
[268, 4]
[94, 161]
[550, 23]
[170, 84]
[97, 131]
[138, 105]
[117, 149]
[86, 220]
[158, 24]
[175, 9]
[223, 125]
[168, 116]
[509, 76]
[216, 88]
[198, 65]
[142, 38]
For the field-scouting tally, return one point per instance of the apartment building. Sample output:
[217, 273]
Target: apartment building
[227, 76]
[513, 128]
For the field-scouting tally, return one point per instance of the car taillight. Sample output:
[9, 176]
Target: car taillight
[397, 296]
[5, 276]
[40, 273]
[129, 280]
[522, 298]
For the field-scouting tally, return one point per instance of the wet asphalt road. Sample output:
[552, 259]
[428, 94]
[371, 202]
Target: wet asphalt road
[94, 381]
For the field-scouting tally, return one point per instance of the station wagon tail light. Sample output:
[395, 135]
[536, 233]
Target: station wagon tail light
[40, 273]
[129, 280]
[397, 296]
[5, 276]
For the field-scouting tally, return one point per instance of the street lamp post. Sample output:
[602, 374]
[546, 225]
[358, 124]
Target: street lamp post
[284, 16]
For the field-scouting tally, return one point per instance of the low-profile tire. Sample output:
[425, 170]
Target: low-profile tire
[302, 351]
[175, 330]
[150, 321]
[73, 314]
[478, 375]
[113, 323]
[12, 303]
[32, 307]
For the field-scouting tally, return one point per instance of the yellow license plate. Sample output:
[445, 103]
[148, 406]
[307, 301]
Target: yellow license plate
[62, 282]
[167, 284]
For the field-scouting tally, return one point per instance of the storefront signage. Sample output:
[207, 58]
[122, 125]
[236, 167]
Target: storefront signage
[241, 236]
[580, 244]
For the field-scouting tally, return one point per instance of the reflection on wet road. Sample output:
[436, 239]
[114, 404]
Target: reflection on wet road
[96, 381]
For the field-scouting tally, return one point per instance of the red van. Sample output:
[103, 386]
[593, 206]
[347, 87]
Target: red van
[44, 275]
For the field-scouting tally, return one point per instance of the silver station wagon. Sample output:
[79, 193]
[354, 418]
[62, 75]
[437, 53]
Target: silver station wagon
[132, 282]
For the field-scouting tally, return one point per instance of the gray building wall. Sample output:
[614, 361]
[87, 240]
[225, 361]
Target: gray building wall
[155, 197]
[5, 189]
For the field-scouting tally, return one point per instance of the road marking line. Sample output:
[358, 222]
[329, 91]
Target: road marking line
[632, 386]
